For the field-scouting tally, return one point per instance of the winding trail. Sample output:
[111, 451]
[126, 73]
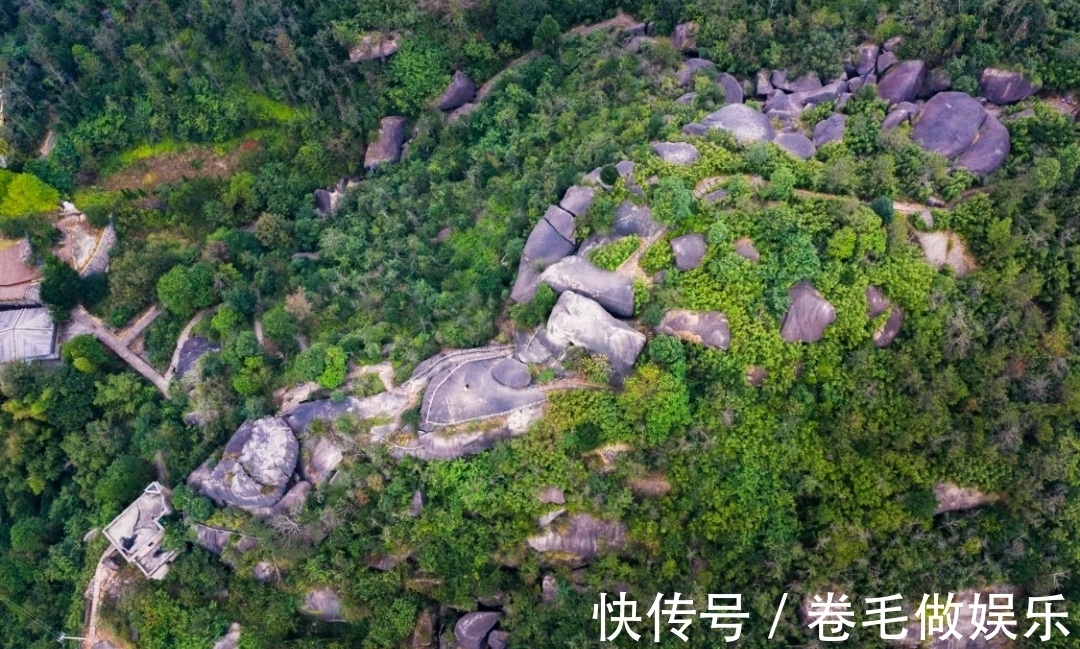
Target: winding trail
[102, 574]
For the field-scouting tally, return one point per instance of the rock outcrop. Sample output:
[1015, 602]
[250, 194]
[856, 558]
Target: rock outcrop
[689, 250]
[954, 498]
[733, 92]
[582, 537]
[709, 328]
[472, 629]
[585, 323]
[256, 466]
[551, 496]
[876, 304]
[577, 200]
[948, 123]
[944, 248]
[691, 67]
[634, 219]
[613, 291]
[796, 144]
[829, 130]
[684, 38]
[743, 122]
[387, 148]
[808, 316]
[745, 248]
[512, 373]
[231, 639]
[902, 82]
[374, 45]
[1005, 87]
[988, 152]
[323, 604]
[461, 91]
[545, 246]
[680, 153]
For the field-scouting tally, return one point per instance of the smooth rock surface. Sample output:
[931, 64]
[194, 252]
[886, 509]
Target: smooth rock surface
[231, 639]
[255, 466]
[829, 130]
[611, 290]
[583, 536]
[323, 604]
[796, 144]
[561, 220]
[902, 82]
[677, 152]
[808, 81]
[763, 86]
[512, 373]
[885, 61]
[714, 196]
[695, 129]
[374, 45]
[585, 323]
[1005, 87]
[387, 148]
[944, 248]
[321, 455]
[743, 122]
[498, 639]
[689, 250]
[876, 304]
[472, 629]
[745, 249]
[988, 152]
[544, 247]
[194, 348]
[808, 316]
[686, 99]
[733, 92]
[577, 200]
[461, 91]
[868, 55]
[709, 328]
[954, 498]
[634, 219]
[948, 123]
[547, 519]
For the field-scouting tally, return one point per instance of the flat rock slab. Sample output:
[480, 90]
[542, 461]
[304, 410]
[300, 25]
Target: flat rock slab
[945, 248]
[696, 129]
[954, 498]
[902, 82]
[680, 153]
[194, 348]
[611, 290]
[512, 373]
[829, 130]
[382, 405]
[257, 463]
[387, 148]
[733, 92]
[562, 221]
[577, 200]
[469, 392]
[1005, 87]
[796, 144]
[714, 196]
[948, 123]
[988, 152]
[461, 91]
[808, 316]
[544, 247]
[635, 219]
[743, 122]
[323, 604]
[689, 250]
[745, 248]
[585, 323]
[583, 536]
[709, 328]
[472, 629]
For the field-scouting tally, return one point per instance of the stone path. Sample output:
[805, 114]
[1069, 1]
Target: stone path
[127, 336]
[107, 338]
[101, 575]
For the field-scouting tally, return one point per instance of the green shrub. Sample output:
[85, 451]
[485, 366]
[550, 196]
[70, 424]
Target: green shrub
[612, 255]
[658, 257]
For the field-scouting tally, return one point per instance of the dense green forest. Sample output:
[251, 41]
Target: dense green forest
[820, 479]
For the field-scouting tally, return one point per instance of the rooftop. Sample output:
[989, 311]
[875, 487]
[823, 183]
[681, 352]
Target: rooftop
[26, 334]
[137, 533]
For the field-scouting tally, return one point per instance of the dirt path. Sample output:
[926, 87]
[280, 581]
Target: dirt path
[110, 340]
[175, 166]
[101, 575]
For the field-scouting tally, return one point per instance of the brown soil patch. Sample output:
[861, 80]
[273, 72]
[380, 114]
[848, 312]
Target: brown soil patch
[173, 167]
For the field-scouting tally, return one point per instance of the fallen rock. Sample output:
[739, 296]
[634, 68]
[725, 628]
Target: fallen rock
[808, 316]
[709, 328]
[902, 82]
[387, 148]
[948, 123]
[583, 537]
[891, 44]
[868, 55]
[689, 250]
[988, 152]
[461, 91]
[263, 572]
[323, 604]
[498, 639]
[796, 144]
[577, 200]
[374, 45]
[885, 61]
[528, 348]
[745, 248]
[471, 630]
[320, 456]
[733, 92]
[684, 38]
[512, 373]
[937, 80]
[830, 92]
[743, 122]
[954, 498]
[763, 86]
[808, 81]
[876, 304]
[613, 291]
[854, 84]
[677, 152]
[635, 219]
[695, 129]
[1005, 87]
[552, 496]
[829, 130]
[423, 635]
[900, 114]
[783, 106]
[944, 248]
[211, 539]
[585, 323]
[231, 639]
[255, 466]
[691, 67]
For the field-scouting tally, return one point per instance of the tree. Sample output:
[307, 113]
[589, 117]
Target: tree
[60, 286]
[185, 290]
[548, 34]
[26, 194]
[672, 201]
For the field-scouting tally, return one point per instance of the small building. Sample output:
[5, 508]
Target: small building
[137, 532]
[19, 278]
[27, 335]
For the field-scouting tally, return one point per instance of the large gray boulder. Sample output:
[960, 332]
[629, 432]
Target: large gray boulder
[868, 55]
[472, 629]
[937, 80]
[743, 122]
[544, 247]
[323, 604]
[498, 639]
[695, 129]
[745, 248]
[733, 92]
[876, 304]
[511, 373]
[829, 130]
[613, 291]
[461, 91]
[374, 45]
[634, 219]
[585, 323]
[320, 457]
[948, 123]
[684, 38]
[806, 82]
[255, 466]
[808, 315]
[988, 152]
[577, 200]
[677, 152]
[902, 82]
[689, 250]
[783, 106]
[387, 148]
[193, 349]
[830, 92]
[690, 67]
[1005, 87]
[582, 536]
[562, 221]
[796, 144]
[885, 61]
[763, 86]
[709, 328]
